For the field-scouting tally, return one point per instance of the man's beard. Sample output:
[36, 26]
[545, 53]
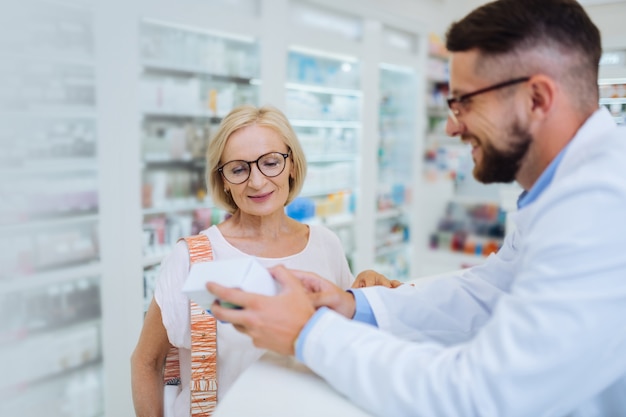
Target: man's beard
[502, 166]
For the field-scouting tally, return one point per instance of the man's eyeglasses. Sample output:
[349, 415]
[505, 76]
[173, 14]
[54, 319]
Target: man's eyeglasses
[456, 104]
[271, 165]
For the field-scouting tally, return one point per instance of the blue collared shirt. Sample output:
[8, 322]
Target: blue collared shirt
[542, 182]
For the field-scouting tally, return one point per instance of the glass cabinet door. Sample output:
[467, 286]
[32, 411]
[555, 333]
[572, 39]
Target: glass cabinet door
[397, 135]
[50, 273]
[323, 105]
[466, 219]
[613, 97]
[190, 80]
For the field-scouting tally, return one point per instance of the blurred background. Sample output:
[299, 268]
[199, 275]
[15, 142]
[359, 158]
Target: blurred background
[106, 108]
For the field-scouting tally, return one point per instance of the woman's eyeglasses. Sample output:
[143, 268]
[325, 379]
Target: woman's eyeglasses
[270, 164]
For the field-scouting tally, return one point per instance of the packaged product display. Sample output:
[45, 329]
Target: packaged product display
[51, 277]
[476, 229]
[396, 149]
[247, 274]
[613, 97]
[323, 103]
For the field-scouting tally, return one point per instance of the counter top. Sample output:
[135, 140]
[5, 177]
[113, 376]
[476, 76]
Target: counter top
[276, 386]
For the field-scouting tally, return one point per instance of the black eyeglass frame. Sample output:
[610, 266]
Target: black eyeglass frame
[463, 97]
[284, 155]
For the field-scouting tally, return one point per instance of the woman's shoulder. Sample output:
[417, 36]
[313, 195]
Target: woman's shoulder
[211, 231]
[215, 236]
[321, 233]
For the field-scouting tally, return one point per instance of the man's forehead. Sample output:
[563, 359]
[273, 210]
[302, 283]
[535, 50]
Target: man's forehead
[462, 66]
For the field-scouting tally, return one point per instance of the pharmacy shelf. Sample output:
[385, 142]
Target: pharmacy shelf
[398, 152]
[51, 112]
[54, 58]
[74, 393]
[51, 166]
[44, 279]
[84, 6]
[194, 71]
[153, 259]
[316, 159]
[437, 111]
[326, 123]
[391, 249]
[191, 114]
[323, 192]
[273, 36]
[617, 100]
[340, 220]
[613, 97]
[390, 213]
[324, 103]
[60, 354]
[174, 207]
[611, 81]
[324, 90]
[199, 103]
[475, 200]
[67, 219]
[54, 245]
[443, 139]
[160, 163]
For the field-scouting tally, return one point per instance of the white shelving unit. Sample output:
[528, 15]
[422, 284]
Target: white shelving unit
[122, 115]
[191, 78]
[127, 117]
[462, 220]
[613, 97]
[323, 103]
[356, 44]
[396, 156]
[51, 275]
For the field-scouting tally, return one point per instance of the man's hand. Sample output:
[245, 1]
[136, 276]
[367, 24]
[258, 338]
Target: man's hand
[370, 278]
[272, 322]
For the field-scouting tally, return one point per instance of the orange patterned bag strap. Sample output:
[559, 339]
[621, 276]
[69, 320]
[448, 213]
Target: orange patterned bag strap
[203, 384]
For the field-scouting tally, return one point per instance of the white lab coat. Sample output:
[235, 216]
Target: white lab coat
[538, 330]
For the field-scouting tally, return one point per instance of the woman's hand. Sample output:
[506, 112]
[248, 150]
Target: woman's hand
[370, 278]
[324, 293]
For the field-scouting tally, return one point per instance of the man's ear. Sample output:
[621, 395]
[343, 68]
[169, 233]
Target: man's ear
[543, 90]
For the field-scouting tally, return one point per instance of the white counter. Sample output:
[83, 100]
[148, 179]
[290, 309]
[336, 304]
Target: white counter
[279, 386]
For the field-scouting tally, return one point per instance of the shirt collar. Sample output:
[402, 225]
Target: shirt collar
[527, 197]
[599, 122]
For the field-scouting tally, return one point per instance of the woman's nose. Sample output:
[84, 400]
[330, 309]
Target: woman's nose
[256, 176]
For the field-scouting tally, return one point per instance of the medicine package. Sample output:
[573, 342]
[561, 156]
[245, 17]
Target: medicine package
[245, 273]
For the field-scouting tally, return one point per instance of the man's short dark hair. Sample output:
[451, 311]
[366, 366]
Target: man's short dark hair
[507, 27]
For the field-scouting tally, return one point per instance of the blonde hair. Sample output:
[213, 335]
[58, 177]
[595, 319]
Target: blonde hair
[240, 117]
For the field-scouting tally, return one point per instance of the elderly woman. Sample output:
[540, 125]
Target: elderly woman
[255, 167]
